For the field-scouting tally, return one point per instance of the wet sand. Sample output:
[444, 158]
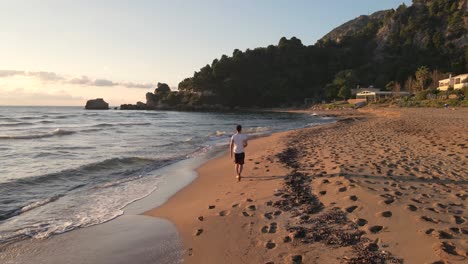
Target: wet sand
[379, 186]
[127, 239]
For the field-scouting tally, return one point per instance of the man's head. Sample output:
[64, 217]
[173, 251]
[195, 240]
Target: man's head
[239, 128]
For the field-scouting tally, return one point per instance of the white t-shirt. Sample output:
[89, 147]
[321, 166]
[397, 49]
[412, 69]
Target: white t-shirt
[239, 141]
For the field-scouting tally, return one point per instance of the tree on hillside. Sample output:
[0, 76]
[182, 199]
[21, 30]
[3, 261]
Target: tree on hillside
[345, 92]
[409, 84]
[162, 88]
[423, 76]
[345, 80]
[396, 89]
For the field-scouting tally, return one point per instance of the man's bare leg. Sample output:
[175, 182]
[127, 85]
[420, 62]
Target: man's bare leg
[238, 171]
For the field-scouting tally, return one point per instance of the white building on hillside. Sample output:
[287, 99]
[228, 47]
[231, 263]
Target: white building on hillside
[372, 94]
[457, 82]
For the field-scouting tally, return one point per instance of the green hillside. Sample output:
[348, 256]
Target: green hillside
[385, 47]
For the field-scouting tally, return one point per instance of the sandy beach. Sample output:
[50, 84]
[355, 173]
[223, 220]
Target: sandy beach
[379, 186]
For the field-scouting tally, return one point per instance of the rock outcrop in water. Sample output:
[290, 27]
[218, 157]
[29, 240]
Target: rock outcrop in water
[97, 104]
[137, 106]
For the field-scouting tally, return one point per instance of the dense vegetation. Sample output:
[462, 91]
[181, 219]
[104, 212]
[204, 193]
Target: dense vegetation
[385, 52]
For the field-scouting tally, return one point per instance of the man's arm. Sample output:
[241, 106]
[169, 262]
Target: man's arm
[245, 142]
[231, 147]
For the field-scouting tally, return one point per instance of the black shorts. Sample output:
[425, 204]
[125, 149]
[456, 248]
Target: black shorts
[239, 158]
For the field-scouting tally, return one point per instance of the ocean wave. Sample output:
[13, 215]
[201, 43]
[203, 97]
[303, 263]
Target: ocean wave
[219, 133]
[63, 116]
[122, 124]
[9, 119]
[39, 203]
[56, 132]
[15, 124]
[45, 122]
[28, 117]
[32, 192]
[256, 129]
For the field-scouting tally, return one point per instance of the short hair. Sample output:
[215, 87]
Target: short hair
[238, 128]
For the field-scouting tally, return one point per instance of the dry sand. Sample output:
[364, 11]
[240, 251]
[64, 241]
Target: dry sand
[380, 186]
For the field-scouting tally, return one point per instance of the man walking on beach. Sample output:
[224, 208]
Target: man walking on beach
[238, 143]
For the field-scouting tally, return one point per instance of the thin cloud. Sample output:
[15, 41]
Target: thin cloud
[42, 75]
[20, 96]
[103, 82]
[83, 80]
[10, 73]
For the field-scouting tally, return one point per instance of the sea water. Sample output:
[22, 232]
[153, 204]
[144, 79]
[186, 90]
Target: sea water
[62, 168]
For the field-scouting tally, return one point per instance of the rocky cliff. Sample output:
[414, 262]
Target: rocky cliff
[425, 23]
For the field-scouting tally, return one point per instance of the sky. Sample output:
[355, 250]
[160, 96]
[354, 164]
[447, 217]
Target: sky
[64, 52]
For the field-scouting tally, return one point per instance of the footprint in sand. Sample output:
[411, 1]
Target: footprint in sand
[342, 189]
[270, 245]
[458, 219]
[388, 201]
[429, 219]
[248, 200]
[411, 207]
[245, 214]
[268, 216]
[443, 235]
[273, 227]
[199, 232]
[448, 250]
[353, 198]
[252, 207]
[375, 229]
[361, 222]
[200, 218]
[296, 259]
[386, 214]
[211, 207]
[351, 209]
[429, 231]
[235, 205]
[223, 213]
[264, 229]
[287, 239]
[456, 230]
[276, 213]
[323, 192]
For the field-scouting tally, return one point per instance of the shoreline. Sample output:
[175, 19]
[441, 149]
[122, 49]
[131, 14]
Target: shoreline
[220, 220]
[181, 174]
